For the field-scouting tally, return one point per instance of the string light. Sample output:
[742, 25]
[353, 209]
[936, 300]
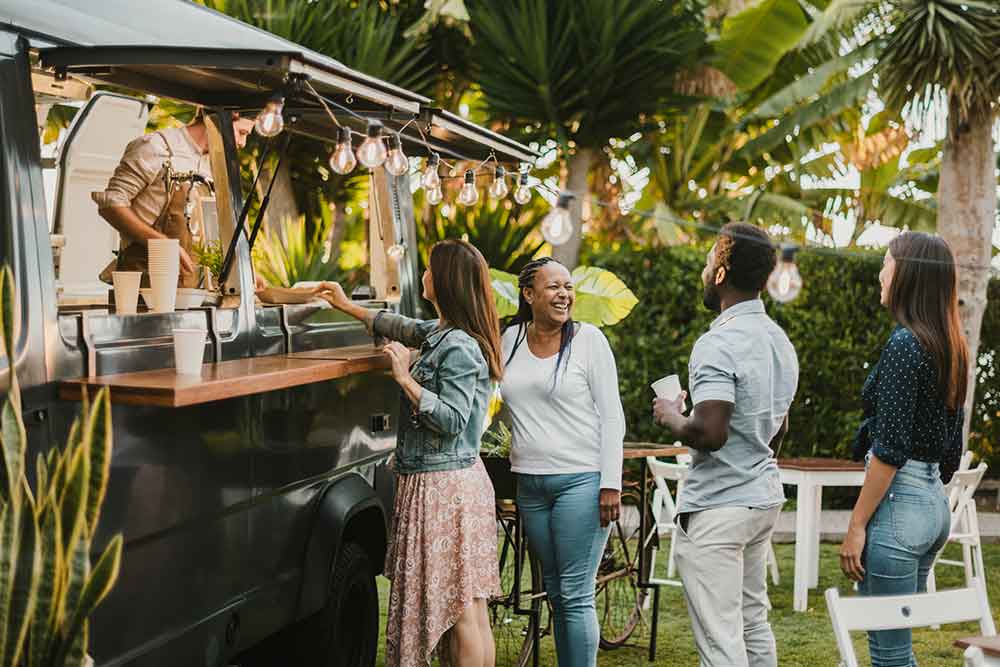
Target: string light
[498, 188]
[396, 163]
[342, 161]
[434, 195]
[522, 195]
[557, 227]
[785, 283]
[469, 194]
[270, 121]
[430, 180]
[372, 152]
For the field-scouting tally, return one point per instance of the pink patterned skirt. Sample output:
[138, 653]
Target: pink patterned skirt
[442, 556]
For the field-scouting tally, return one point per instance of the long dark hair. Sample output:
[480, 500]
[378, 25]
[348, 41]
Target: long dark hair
[465, 297]
[524, 316]
[923, 298]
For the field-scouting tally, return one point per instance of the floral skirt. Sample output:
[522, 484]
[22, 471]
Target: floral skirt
[442, 556]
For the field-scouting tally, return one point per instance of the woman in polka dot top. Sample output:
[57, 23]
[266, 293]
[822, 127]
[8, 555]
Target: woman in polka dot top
[911, 435]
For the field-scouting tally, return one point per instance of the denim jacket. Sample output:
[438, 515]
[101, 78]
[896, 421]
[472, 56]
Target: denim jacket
[444, 431]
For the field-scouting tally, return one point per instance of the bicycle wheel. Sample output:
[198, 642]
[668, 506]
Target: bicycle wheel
[515, 613]
[620, 600]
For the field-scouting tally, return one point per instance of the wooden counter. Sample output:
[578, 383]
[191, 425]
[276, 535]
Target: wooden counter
[640, 450]
[228, 379]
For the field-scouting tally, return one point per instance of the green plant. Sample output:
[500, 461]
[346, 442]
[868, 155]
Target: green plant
[48, 587]
[209, 255]
[496, 441]
[291, 255]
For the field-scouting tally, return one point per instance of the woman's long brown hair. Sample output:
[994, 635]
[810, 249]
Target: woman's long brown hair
[465, 297]
[923, 297]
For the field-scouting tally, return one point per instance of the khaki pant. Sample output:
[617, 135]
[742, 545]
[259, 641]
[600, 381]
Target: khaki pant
[722, 559]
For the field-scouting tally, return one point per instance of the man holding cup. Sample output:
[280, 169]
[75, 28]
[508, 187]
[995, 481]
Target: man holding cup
[743, 377]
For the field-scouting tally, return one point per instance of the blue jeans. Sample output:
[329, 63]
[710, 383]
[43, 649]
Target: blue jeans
[562, 521]
[904, 535]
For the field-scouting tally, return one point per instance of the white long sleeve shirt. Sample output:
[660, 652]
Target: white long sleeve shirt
[575, 425]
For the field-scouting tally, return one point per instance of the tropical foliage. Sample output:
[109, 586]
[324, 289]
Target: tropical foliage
[292, 254]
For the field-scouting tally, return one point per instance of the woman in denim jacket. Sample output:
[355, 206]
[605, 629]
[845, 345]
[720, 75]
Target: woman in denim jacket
[911, 435]
[443, 556]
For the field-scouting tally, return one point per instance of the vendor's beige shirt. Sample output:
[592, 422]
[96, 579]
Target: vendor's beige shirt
[138, 178]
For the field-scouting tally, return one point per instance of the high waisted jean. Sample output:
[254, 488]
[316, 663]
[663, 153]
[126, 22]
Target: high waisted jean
[562, 521]
[904, 535]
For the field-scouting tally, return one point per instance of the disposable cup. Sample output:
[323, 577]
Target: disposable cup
[164, 294]
[189, 350]
[126, 291]
[668, 387]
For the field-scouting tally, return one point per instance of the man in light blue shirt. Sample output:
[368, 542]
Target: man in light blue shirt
[743, 376]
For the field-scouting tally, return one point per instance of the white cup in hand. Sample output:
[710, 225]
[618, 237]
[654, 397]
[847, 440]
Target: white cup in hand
[668, 388]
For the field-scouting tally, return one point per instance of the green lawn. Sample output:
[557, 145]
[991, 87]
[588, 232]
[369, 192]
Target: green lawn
[803, 638]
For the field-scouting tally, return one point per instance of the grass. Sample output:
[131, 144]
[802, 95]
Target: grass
[804, 639]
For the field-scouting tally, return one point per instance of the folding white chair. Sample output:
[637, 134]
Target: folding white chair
[664, 510]
[897, 612]
[964, 524]
[974, 657]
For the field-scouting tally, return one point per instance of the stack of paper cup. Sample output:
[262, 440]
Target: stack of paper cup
[164, 269]
[126, 291]
[189, 350]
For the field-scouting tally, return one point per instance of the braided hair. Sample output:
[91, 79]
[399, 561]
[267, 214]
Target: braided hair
[524, 316]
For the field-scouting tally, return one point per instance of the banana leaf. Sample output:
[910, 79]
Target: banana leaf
[602, 299]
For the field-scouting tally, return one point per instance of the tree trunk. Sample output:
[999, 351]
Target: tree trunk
[967, 208]
[577, 182]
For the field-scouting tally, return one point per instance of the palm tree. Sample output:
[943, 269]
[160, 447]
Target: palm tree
[942, 53]
[582, 72]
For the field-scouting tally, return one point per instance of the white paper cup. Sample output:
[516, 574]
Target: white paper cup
[189, 350]
[164, 292]
[668, 387]
[126, 291]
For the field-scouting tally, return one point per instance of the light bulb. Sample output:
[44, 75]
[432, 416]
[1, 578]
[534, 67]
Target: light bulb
[396, 251]
[785, 282]
[523, 193]
[434, 195]
[469, 195]
[430, 179]
[396, 163]
[343, 161]
[372, 152]
[557, 227]
[269, 121]
[498, 188]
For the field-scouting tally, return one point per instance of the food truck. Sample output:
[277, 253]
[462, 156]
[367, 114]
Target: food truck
[254, 499]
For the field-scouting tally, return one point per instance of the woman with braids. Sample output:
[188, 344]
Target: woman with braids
[443, 556]
[911, 435]
[560, 395]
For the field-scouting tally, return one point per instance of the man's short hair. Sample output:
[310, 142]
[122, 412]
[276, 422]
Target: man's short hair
[747, 253]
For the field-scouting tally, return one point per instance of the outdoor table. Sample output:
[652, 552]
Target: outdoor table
[640, 450]
[810, 475]
[229, 379]
[990, 646]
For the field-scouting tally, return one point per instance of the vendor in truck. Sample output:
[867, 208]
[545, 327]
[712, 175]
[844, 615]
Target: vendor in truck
[154, 193]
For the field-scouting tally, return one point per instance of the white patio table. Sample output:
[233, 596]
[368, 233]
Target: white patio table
[990, 646]
[810, 475]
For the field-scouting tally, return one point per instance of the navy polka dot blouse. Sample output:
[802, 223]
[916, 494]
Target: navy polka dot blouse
[905, 415]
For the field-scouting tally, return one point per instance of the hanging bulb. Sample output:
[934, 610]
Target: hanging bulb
[434, 195]
[523, 193]
[372, 152]
[270, 122]
[343, 161]
[396, 164]
[430, 179]
[469, 195]
[396, 251]
[498, 188]
[785, 283]
[557, 227]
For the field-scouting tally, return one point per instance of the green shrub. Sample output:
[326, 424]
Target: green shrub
[837, 326]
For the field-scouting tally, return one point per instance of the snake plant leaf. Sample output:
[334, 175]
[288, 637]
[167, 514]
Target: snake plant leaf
[41, 481]
[76, 573]
[98, 585]
[13, 440]
[99, 446]
[504, 291]
[8, 538]
[755, 39]
[23, 597]
[602, 299]
[8, 324]
[73, 502]
[41, 626]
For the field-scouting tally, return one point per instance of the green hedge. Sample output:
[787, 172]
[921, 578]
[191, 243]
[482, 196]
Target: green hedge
[837, 326]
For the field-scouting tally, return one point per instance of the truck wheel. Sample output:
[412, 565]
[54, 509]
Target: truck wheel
[345, 632]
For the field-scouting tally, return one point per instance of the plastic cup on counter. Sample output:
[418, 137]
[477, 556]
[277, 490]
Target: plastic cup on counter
[189, 350]
[163, 291]
[126, 284]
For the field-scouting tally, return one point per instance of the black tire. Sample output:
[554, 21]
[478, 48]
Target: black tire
[345, 632]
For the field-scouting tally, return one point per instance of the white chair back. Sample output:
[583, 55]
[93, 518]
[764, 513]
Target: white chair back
[962, 503]
[974, 657]
[895, 612]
